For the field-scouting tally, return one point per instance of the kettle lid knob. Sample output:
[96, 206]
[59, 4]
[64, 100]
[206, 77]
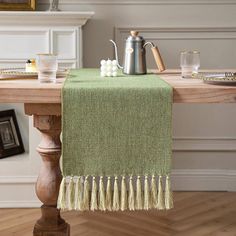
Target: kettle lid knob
[134, 33]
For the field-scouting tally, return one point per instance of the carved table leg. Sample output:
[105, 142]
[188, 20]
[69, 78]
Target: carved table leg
[48, 183]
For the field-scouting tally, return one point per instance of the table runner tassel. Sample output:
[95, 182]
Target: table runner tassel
[94, 199]
[71, 194]
[101, 205]
[61, 203]
[139, 197]
[154, 192]
[78, 194]
[160, 197]
[108, 195]
[168, 195]
[146, 194]
[86, 195]
[131, 194]
[116, 200]
[124, 201]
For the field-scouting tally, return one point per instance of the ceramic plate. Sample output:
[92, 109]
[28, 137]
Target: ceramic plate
[20, 73]
[219, 79]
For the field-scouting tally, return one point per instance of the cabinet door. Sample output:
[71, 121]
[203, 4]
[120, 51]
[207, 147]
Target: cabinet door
[23, 44]
[64, 44]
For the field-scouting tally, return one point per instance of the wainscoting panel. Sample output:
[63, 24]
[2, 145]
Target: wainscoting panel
[213, 43]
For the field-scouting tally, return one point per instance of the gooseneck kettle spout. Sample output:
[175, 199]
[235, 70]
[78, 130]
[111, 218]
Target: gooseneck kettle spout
[116, 54]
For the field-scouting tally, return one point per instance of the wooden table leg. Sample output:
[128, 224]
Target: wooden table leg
[47, 187]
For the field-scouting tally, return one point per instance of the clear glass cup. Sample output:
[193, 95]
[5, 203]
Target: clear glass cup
[47, 66]
[189, 63]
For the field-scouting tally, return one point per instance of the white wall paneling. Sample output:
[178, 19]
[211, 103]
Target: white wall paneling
[203, 144]
[213, 43]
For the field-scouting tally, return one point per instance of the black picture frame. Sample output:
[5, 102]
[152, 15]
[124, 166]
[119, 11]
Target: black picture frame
[10, 138]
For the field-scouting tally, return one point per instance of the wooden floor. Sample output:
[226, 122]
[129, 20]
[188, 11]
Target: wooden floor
[195, 214]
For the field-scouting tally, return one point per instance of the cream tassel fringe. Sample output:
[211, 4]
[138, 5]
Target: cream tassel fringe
[86, 199]
[124, 203]
[146, 194]
[168, 195]
[116, 200]
[71, 195]
[160, 197]
[154, 192]
[139, 197]
[78, 194]
[131, 195]
[101, 205]
[61, 202]
[94, 199]
[108, 195]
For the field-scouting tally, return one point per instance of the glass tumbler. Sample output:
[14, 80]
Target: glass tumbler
[47, 66]
[189, 63]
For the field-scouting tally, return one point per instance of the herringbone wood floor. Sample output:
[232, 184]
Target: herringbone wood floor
[195, 214]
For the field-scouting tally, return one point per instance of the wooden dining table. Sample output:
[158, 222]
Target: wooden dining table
[43, 102]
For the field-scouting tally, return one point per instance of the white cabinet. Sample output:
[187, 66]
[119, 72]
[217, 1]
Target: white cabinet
[25, 34]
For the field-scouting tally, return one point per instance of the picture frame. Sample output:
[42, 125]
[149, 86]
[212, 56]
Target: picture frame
[10, 138]
[17, 5]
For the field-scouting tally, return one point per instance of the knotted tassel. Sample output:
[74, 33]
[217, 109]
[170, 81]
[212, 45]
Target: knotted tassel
[61, 202]
[78, 194]
[154, 192]
[71, 195]
[94, 199]
[123, 203]
[160, 197]
[139, 197]
[146, 205]
[116, 199]
[168, 195]
[86, 195]
[102, 205]
[108, 195]
[131, 195]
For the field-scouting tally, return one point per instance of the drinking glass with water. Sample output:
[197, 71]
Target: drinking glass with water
[47, 66]
[190, 63]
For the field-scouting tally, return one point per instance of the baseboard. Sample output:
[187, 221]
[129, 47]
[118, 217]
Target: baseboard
[204, 180]
[18, 191]
[20, 204]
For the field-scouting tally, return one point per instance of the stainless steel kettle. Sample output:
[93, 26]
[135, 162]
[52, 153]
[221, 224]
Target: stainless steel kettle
[135, 55]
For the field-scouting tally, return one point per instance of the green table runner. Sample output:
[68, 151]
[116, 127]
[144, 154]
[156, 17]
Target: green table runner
[117, 142]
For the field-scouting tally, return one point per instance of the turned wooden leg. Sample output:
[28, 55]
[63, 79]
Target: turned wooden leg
[47, 186]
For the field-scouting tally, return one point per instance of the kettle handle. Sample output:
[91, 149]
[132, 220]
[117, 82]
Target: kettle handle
[157, 56]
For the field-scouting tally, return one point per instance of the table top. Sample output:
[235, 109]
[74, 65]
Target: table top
[184, 91]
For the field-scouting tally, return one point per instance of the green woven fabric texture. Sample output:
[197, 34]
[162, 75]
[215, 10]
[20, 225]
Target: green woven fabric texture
[117, 125]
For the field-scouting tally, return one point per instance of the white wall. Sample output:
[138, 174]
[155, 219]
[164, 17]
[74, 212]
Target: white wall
[204, 135]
